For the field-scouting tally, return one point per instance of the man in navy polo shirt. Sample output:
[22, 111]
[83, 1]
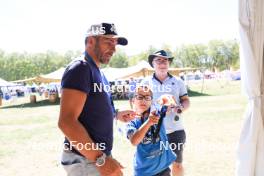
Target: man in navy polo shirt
[87, 110]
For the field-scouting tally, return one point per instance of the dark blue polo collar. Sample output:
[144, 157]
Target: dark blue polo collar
[89, 59]
[155, 77]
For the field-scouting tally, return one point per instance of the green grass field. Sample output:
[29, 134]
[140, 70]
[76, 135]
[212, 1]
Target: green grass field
[31, 142]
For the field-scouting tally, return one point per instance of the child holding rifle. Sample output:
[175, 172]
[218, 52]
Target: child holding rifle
[153, 155]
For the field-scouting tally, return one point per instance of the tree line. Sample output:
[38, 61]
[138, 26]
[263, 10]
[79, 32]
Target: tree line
[215, 55]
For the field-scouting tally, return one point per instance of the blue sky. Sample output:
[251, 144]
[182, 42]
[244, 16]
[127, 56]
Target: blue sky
[59, 25]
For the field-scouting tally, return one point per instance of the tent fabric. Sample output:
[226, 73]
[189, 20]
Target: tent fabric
[51, 77]
[122, 73]
[250, 152]
[4, 83]
[25, 80]
[142, 69]
[48, 78]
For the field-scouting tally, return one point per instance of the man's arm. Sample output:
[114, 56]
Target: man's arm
[72, 102]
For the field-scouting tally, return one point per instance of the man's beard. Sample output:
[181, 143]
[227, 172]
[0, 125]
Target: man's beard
[99, 54]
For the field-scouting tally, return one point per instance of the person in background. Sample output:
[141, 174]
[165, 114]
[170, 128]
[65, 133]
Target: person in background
[131, 89]
[1, 93]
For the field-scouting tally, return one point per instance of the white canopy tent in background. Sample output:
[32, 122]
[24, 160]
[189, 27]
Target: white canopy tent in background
[48, 78]
[250, 156]
[4, 83]
[51, 77]
[120, 73]
[142, 69]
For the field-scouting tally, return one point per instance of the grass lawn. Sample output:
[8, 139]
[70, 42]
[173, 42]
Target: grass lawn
[31, 142]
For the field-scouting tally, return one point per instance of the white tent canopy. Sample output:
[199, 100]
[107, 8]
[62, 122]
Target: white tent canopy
[51, 77]
[250, 156]
[119, 73]
[142, 69]
[4, 83]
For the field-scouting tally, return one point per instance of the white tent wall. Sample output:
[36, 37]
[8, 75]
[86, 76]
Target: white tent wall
[4, 83]
[142, 69]
[51, 77]
[250, 156]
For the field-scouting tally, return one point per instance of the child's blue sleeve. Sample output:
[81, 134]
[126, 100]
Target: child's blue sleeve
[131, 128]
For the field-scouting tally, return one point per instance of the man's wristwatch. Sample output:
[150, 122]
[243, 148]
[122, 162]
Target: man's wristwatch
[100, 161]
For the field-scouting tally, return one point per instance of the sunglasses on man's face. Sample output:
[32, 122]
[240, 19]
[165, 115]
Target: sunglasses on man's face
[145, 97]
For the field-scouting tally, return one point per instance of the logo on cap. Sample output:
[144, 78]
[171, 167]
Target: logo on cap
[105, 29]
[113, 28]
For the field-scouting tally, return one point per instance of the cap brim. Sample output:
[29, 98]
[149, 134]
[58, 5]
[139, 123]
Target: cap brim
[156, 55]
[122, 41]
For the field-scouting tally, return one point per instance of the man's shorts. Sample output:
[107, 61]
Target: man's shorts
[77, 165]
[177, 140]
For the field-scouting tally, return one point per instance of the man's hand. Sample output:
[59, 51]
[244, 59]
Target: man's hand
[111, 168]
[126, 116]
